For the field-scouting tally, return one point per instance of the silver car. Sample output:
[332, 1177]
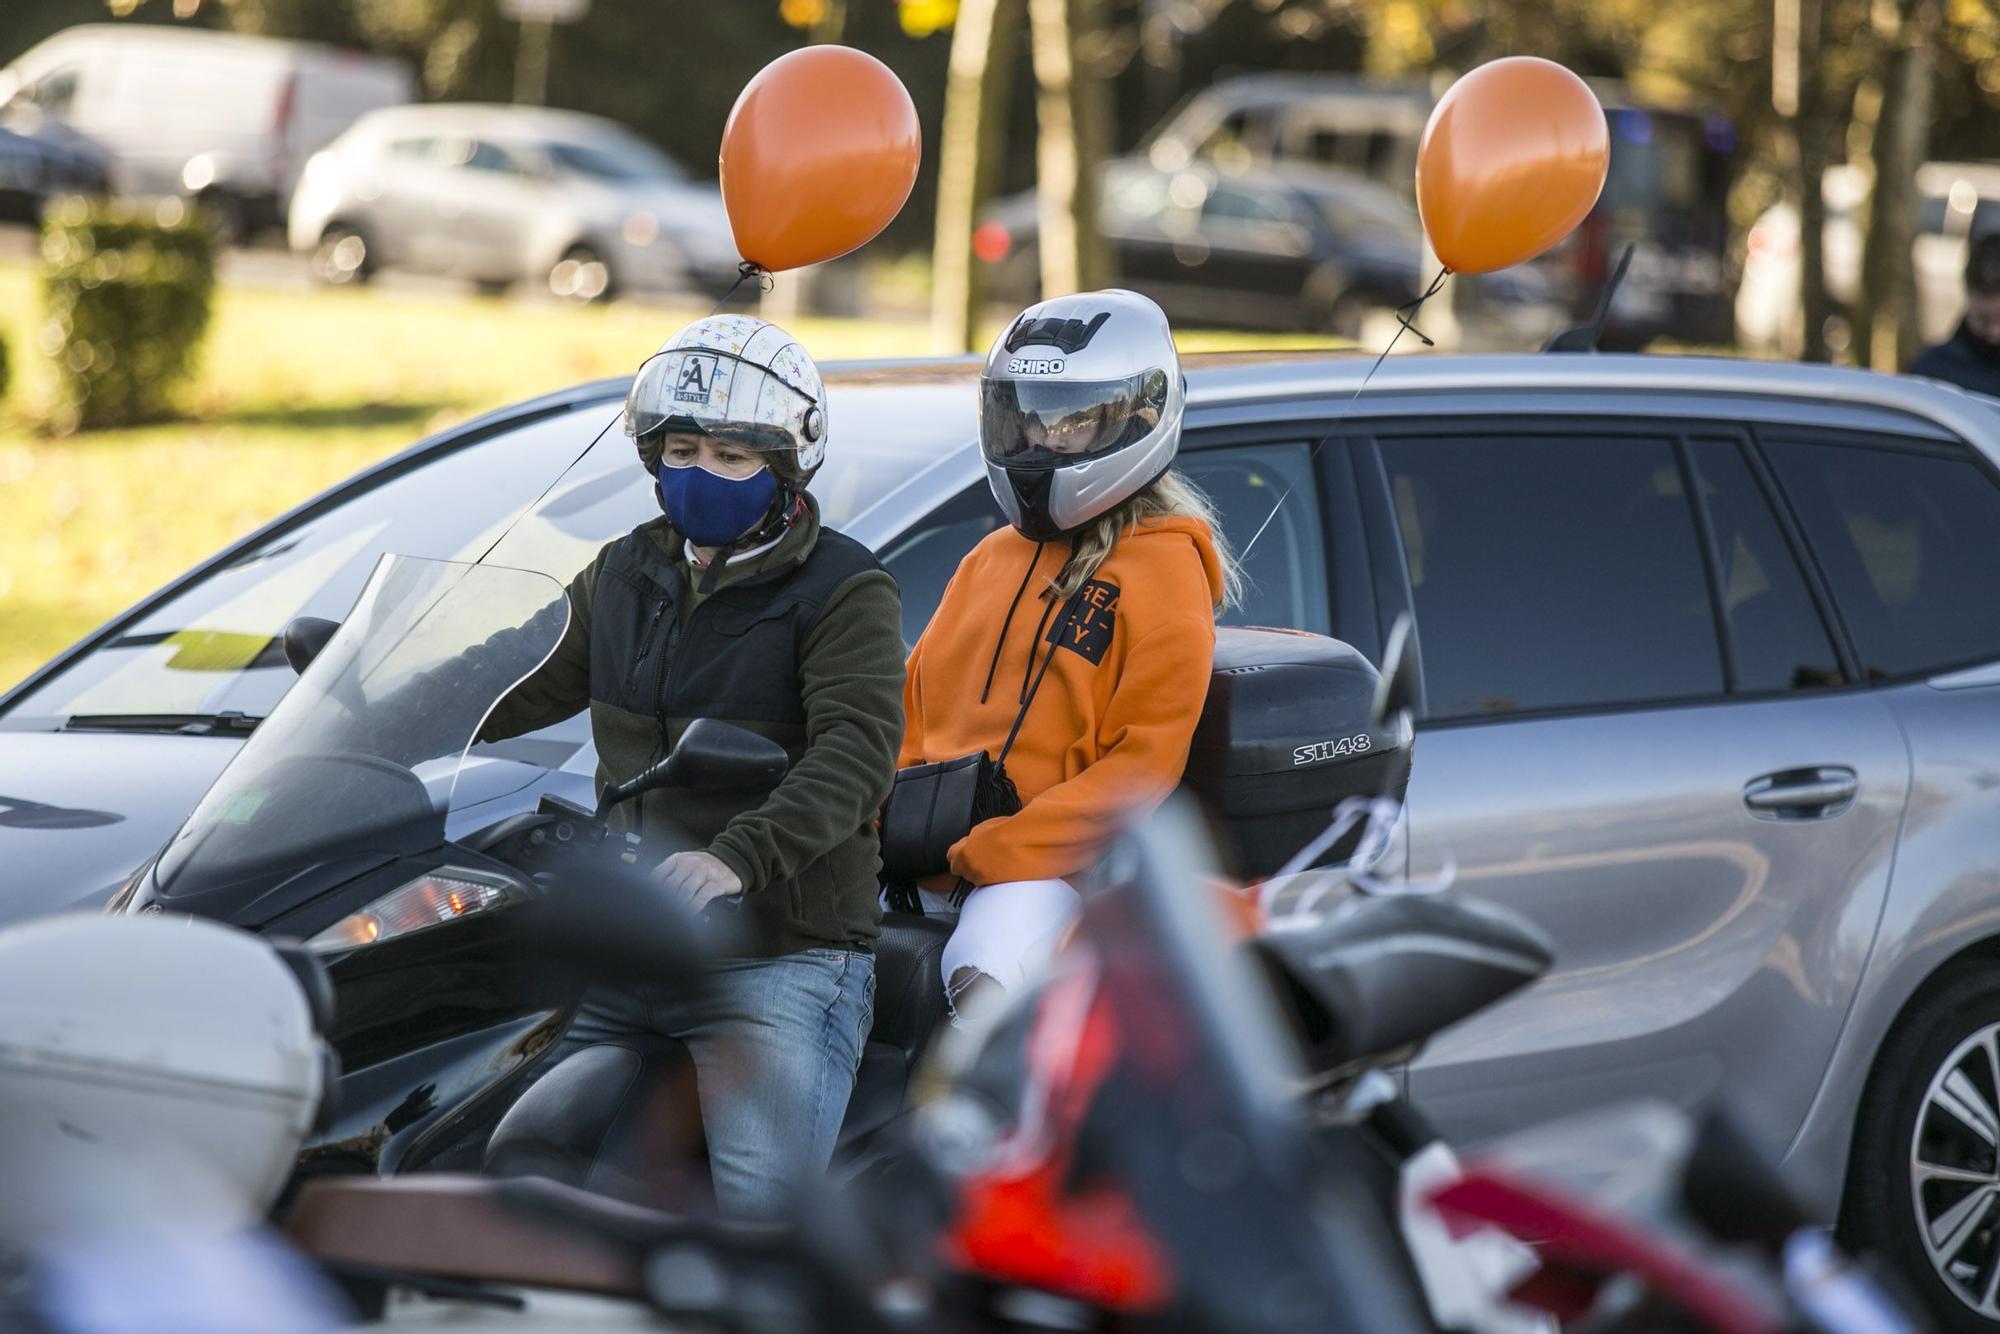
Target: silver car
[1711, 665]
[503, 194]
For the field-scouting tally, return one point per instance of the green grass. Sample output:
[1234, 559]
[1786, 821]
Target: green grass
[295, 392]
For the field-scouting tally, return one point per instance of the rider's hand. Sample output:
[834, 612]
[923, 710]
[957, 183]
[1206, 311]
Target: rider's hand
[698, 878]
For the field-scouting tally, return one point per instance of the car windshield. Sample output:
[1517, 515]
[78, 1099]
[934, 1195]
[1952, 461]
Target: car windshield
[1362, 211]
[214, 647]
[614, 158]
[363, 754]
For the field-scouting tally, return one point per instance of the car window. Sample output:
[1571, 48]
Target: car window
[1285, 573]
[1552, 572]
[1910, 544]
[54, 91]
[422, 149]
[1356, 215]
[1238, 204]
[924, 556]
[1776, 636]
[614, 161]
[214, 646]
[1370, 152]
[1932, 211]
[1227, 137]
[1269, 488]
[491, 157]
[1986, 217]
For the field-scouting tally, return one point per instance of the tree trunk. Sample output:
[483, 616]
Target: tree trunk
[1886, 330]
[1072, 129]
[1812, 140]
[975, 115]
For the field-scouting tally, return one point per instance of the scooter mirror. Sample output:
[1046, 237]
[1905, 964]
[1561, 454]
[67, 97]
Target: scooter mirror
[720, 755]
[304, 638]
[1402, 686]
[710, 754]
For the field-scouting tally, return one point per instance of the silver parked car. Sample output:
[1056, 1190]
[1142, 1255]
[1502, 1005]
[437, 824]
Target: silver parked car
[502, 194]
[1711, 673]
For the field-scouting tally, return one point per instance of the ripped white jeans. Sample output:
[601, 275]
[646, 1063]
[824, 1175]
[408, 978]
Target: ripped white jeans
[1007, 932]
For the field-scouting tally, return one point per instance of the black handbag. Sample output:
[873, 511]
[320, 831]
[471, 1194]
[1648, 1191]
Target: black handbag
[933, 806]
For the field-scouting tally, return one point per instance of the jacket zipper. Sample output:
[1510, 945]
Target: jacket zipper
[670, 671]
[646, 644]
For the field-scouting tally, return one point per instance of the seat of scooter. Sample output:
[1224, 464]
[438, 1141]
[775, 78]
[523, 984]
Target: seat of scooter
[620, 1118]
[476, 1230]
[909, 1006]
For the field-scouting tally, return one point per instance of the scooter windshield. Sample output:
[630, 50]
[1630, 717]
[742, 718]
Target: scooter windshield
[362, 755]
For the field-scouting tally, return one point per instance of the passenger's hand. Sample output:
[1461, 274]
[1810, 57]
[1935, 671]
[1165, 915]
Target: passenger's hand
[699, 878]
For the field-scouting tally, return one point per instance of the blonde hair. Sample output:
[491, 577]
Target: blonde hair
[1169, 495]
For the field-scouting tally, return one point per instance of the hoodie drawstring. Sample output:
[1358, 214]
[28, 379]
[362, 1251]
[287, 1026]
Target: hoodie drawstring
[994, 666]
[1048, 610]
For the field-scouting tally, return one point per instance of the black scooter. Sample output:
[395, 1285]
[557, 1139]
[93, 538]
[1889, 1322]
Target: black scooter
[354, 819]
[360, 818]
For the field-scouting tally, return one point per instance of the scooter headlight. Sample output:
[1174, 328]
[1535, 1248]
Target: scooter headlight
[432, 899]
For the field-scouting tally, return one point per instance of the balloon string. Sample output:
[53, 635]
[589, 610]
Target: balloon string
[749, 269]
[1407, 314]
[1405, 317]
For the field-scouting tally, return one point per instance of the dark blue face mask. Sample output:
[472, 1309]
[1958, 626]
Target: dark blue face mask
[713, 511]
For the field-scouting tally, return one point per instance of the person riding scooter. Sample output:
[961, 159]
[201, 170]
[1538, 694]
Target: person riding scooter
[739, 606]
[1063, 675]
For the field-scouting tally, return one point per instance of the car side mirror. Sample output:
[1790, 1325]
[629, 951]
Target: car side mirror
[713, 755]
[1402, 686]
[304, 638]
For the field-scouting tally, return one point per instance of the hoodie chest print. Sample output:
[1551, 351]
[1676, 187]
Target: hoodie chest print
[1088, 633]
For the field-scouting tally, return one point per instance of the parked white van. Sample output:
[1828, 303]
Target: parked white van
[224, 118]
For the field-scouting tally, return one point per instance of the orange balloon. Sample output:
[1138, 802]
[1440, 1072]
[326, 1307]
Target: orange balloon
[1512, 160]
[820, 152]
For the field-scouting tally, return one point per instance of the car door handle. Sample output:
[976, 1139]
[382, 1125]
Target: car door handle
[1802, 794]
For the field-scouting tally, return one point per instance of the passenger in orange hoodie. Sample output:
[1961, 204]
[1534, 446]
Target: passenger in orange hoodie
[1085, 629]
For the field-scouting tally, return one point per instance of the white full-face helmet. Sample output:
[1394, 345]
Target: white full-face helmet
[739, 379]
[1080, 409]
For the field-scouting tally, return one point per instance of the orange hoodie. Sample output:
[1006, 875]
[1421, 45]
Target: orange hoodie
[1108, 733]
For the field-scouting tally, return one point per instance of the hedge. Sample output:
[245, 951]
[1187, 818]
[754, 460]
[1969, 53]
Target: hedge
[127, 288]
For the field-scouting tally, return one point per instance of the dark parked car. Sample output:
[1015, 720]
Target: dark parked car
[1292, 248]
[1666, 196]
[1710, 676]
[39, 159]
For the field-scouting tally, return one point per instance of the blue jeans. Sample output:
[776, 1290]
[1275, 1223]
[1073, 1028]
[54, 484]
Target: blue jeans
[776, 1044]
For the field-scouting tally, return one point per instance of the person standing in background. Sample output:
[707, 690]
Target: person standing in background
[1970, 358]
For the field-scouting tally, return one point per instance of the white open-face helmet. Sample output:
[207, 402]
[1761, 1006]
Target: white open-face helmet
[1080, 409]
[741, 380]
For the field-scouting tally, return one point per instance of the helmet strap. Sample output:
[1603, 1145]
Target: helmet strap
[787, 508]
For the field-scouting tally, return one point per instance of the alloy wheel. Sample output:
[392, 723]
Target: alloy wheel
[1955, 1171]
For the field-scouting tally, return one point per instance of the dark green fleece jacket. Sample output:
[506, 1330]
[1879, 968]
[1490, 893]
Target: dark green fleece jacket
[802, 644]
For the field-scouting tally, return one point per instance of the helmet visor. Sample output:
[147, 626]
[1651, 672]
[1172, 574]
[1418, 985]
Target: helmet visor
[1053, 423]
[721, 395]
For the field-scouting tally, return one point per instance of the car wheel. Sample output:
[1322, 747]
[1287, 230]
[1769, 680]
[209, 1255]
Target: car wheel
[343, 257]
[1923, 1188]
[581, 275]
[491, 287]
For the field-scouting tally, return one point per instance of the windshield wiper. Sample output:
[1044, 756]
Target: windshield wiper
[229, 722]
